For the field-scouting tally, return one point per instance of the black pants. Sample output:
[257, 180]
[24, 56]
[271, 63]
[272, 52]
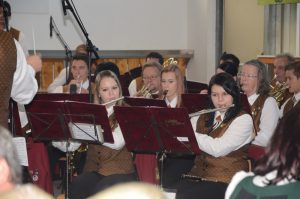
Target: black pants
[203, 189]
[90, 183]
[174, 167]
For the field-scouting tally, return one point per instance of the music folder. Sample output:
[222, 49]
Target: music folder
[64, 120]
[157, 129]
[139, 101]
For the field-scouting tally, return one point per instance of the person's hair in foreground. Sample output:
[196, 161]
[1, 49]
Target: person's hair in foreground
[132, 190]
[283, 151]
[9, 154]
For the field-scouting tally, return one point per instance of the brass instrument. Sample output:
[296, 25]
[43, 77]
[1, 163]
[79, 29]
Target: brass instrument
[278, 90]
[144, 92]
[170, 61]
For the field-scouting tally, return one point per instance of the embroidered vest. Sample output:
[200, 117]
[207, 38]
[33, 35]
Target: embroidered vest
[8, 61]
[290, 105]
[223, 168]
[256, 110]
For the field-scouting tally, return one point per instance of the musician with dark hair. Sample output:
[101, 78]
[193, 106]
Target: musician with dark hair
[292, 73]
[109, 163]
[277, 172]
[223, 137]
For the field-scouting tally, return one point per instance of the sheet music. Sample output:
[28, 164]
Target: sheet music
[20, 145]
[85, 131]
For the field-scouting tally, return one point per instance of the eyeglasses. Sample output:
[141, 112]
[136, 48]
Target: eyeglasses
[247, 75]
[150, 77]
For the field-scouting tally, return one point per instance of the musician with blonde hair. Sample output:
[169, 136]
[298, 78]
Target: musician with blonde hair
[109, 163]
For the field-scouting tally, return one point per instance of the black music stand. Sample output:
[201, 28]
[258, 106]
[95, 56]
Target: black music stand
[138, 101]
[157, 130]
[62, 120]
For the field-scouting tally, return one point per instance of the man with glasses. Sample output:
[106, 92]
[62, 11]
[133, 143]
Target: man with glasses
[149, 86]
[254, 83]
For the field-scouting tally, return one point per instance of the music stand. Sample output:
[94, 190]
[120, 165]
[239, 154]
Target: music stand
[195, 87]
[138, 101]
[157, 130]
[64, 120]
[194, 102]
[197, 102]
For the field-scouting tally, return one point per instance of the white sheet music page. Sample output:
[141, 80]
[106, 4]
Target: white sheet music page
[84, 131]
[20, 144]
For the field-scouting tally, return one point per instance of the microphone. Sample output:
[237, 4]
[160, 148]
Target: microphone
[64, 7]
[51, 26]
[73, 89]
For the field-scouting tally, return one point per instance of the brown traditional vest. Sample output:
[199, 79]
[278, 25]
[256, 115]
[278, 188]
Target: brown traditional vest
[256, 110]
[219, 169]
[109, 161]
[8, 61]
[15, 33]
[290, 105]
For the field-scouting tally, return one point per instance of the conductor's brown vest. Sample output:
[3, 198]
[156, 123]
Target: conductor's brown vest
[220, 169]
[8, 61]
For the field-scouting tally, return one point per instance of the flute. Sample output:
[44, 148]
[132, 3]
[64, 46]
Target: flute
[209, 111]
[112, 101]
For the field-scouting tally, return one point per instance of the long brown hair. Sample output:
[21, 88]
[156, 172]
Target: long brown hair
[283, 152]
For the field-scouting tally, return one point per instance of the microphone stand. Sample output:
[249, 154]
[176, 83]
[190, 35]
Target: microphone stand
[66, 47]
[91, 49]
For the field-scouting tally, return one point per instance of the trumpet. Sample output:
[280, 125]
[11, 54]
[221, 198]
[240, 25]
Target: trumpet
[143, 92]
[209, 110]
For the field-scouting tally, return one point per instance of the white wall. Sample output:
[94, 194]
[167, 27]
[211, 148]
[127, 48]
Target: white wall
[126, 25]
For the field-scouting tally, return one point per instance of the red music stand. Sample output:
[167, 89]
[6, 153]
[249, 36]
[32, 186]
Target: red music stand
[138, 101]
[194, 102]
[157, 130]
[50, 120]
[197, 102]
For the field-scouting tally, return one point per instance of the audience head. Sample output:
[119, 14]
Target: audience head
[108, 66]
[155, 57]
[280, 61]
[10, 168]
[5, 10]
[292, 72]
[132, 190]
[172, 81]
[228, 67]
[108, 87]
[253, 78]
[151, 75]
[81, 50]
[79, 68]
[229, 58]
[283, 151]
[223, 91]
